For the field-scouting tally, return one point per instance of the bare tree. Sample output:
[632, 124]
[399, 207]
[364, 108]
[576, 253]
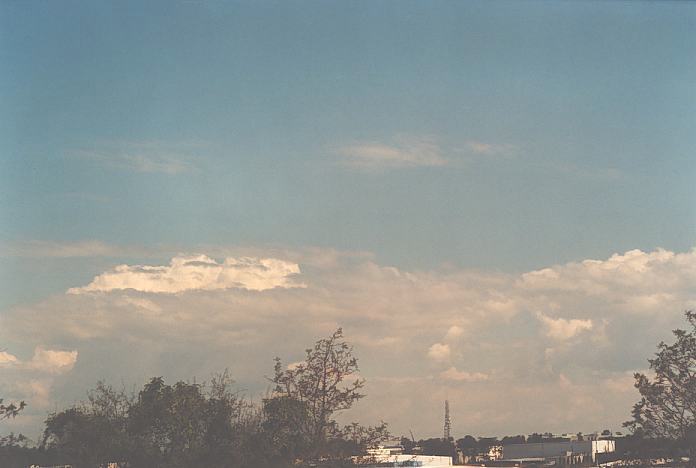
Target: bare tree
[11, 410]
[322, 383]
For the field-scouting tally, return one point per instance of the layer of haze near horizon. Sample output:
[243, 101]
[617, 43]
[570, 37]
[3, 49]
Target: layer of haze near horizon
[495, 200]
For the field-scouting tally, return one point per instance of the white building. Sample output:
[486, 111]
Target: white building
[393, 454]
[403, 460]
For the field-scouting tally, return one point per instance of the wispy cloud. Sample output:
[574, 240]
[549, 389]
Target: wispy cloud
[145, 157]
[403, 152]
[488, 148]
[410, 152]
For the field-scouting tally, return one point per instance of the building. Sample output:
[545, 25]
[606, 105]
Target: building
[392, 454]
[565, 452]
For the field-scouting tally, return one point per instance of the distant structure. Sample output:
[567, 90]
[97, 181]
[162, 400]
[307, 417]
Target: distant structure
[392, 454]
[448, 424]
[568, 452]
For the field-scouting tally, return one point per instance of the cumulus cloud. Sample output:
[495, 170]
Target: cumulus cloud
[417, 333]
[404, 152]
[439, 352]
[453, 332]
[636, 271]
[462, 376]
[44, 360]
[32, 379]
[562, 329]
[52, 361]
[197, 273]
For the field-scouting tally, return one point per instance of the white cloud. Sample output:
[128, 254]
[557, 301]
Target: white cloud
[52, 361]
[640, 272]
[473, 320]
[562, 329]
[439, 352]
[197, 273]
[462, 376]
[31, 380]
[44, 360]
[404, 152]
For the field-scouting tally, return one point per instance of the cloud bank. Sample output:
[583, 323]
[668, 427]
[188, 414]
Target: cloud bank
[512, 352]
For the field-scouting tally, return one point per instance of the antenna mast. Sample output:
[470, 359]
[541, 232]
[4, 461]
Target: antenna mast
[448, 424]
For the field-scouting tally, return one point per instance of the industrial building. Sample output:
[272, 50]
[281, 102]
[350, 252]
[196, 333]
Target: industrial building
[571, 452]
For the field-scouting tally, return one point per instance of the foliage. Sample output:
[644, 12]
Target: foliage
[10, 410]
[286, 423]
[667, 408]
[185, 424]
[438, 446]
[509, 440]
[92, 432]
[468, 445]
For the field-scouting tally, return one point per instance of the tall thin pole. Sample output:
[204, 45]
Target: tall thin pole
[448, 424]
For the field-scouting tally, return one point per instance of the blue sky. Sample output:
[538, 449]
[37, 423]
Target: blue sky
[500, 137]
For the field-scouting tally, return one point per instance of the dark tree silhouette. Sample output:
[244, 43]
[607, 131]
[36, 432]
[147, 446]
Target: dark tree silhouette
[320, 384]
[667, 408]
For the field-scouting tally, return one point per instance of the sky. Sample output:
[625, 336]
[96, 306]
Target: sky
[495, 200]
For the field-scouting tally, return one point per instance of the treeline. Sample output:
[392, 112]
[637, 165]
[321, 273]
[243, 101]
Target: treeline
[192, 424]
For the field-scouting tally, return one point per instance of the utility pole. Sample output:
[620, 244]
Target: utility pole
[448, 424]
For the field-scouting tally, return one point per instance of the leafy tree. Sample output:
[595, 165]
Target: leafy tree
[286, 423]
[509, 440]
[467, 445]
[438, 446]
[167, 421]
[189, 425]
[180, 425]
[93, 432]
[184, 425]
[319, 384]
[667, 408]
